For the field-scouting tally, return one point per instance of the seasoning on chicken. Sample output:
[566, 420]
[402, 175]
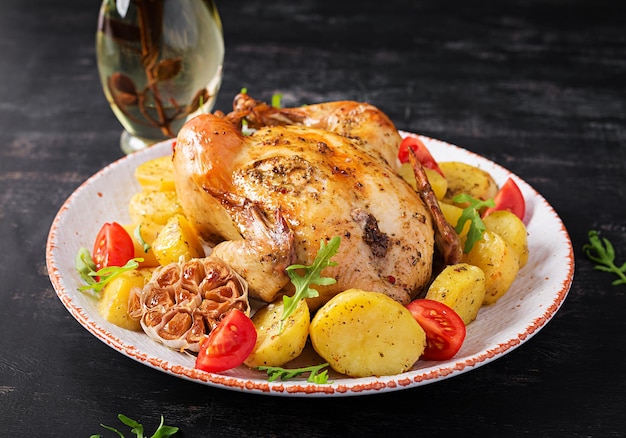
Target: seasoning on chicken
[304, 175]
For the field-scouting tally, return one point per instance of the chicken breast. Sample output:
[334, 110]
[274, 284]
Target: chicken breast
[267, 200]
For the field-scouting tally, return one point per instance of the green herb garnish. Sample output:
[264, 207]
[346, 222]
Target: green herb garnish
[471, 214]
[601, 251]
[96, 280]
[163, 431]
[139, 237]
[245, 130]
[316, 375]
[277, 100]
[85, 265]
[312, 275]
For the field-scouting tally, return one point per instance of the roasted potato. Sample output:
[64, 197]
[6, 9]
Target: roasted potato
[498, 261]
[113, 303]
[465, 178]
[362, 333]
[156, 174]
[276, 347]
[512, 230]
[437, 182]
[149, 232]
[154, 206]
[175, 240]
[461, 287]
[452, 213]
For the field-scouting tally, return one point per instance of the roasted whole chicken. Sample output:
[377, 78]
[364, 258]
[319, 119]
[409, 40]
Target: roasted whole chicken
[264, 201]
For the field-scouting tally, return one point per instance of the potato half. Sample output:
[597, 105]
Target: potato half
[499, 262]
[461, 287]
[177, 239]
[362, 333]
[113, 303]
[156, 174]
[276, 345]
[512, 230]
[465, 178]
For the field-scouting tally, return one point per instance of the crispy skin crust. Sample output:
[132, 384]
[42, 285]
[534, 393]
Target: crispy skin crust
[323, 183]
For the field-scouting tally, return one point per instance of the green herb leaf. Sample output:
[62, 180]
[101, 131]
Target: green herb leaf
[276, 100]
[112, 429]
[312, 275]
[244, 128]
[162, 431]
[96, 280]
[601, 251]
[137, 428]
[85, 265]
[201, 103]
[471, 213]
[316, 375]
[139, 238]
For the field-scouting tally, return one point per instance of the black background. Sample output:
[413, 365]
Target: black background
[539, 86]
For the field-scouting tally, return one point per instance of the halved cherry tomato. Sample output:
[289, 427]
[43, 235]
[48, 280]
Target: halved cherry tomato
[510, 198]
[445, 330]
[228, 344]
[421, 151]
[113, 246]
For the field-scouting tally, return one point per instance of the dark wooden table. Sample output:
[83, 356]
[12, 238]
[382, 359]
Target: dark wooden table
[538, 86]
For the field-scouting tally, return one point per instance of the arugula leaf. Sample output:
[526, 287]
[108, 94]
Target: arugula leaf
[137, 428]
[312, 275]
[471, 214]
[201, 103]
[244, 128]
[316, 375]
[162, 431]
[96, 280]
[601, 251]
[112, 429]
[139, 237]
[85, 265]
[277, 100]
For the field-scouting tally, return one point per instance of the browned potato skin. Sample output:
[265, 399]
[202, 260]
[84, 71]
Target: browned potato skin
[465, 178]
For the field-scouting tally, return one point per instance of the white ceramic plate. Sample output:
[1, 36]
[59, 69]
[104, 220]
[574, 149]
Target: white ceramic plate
[534, 298]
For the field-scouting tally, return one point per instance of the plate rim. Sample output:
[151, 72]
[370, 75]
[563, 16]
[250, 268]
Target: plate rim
[348, 386]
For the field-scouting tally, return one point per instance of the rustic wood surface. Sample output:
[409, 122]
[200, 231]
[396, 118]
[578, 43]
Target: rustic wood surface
[538, 86]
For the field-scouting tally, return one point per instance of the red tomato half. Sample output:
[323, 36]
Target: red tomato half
[229, 344]
[113, 246]
[510, 198]
[421, 151]
[445, 330]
